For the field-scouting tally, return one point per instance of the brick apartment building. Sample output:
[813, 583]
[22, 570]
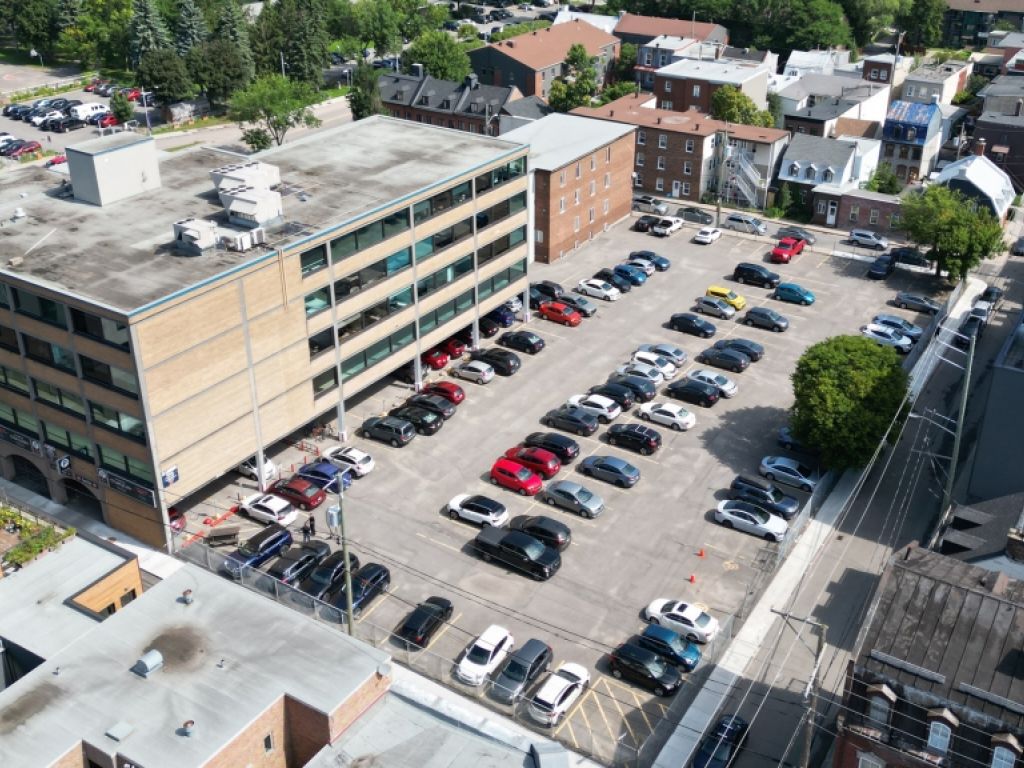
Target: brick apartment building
[531, 62]
[581, 170]
[640, 30]
[466, 106]
[677, 154]
[690, 84]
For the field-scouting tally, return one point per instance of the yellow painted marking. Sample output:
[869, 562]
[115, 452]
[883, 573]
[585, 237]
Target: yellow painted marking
[604, 717]
[439, 543]
[444, 628]
[618, 706]
[380, 601]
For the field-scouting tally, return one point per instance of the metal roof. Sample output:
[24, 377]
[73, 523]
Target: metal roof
[820, 151]
[911, 112]
[559, 139]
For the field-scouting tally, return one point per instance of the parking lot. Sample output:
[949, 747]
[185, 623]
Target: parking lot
[655, 540]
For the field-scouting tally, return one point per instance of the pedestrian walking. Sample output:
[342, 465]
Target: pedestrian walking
[305, 532]
[312, 526]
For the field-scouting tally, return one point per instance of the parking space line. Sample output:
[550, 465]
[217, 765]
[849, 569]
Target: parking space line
[643, 714]
[366, 614]
[582, 711]
[439, 543]
[572, 734]
[444, 628]
[618, 706]
[604, 717]
[663, 708]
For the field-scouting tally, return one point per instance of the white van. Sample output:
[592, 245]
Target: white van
[85, 111]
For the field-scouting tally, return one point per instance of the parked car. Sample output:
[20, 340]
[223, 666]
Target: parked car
[449, 390]
[646, 668]
[610, 276]
[634, 275]
[728, 358]
[688, 620]
[906, 300]
[557, 312]
[503, 362]
[793, 294]
[786, 249]
[692, 391]
[663, 365]
[603, 409]
[539, 460]
[388, 429]
[474, 370]
[258, 549]
[25, 149]
[660, 263]
[1017, 249]
[328, 575]
[293, 565]
[477, 509]
[798, 233]
[882, 267]
[750, 518]
[718, 749]
[688, 322]
[668, 414]
[755, 274]
[514, 476]
[641, 371]
[670, 352]
[326, 475]
[643, 389]
[547, 531]
[522, 341]
[268, 508]
[742, 222]
[565, 448]
[887, 337]
[435, 359]
[911, 256]
[300, 492]
[368, 583]
[897, 323]
[765, 495]
[865, 238]
[707, 235]
[611, 469]
[789, 471]
[666, 227]
[647, 266]
[574, 498]
[358, 462]
[581, 304]
[108, 120]
[442, 406]
[649, 204]
[727, 295]
[248, 469]
[644, 223]
[636, 437]
[972, 327]
[572, 419]
[670, 646]
[502, 315]
[726, 387]
[424, 421]
[518, 551]
[422, 623]
[751, 349]
[67, 124]
[786, 439]
[709, 305]
[598, 289]
[695, 215]
[550, 290]
[769, 319]
[622, 396]
[520, 669]
[556, 696]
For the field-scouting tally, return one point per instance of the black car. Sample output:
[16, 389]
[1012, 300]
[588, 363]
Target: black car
[426, 618]
[571, 418]
[368, 582]
[295, 564]
[762, 317]
[718, 749]
[50, 123]
[636, 437]
[756, 490]
[687, 322]
[993, 296]
[622, 395]
[660, 263]
[441, 406]
[10, 146]
[643, 389]
[755, 274]
[95, 117]
[522, 341]
[646, 668]
[729, 359]
[973, 326]
[549, 532]
[908, 255]
[550, 290]
[797, 233]
[503, 362]
[751, 349]
[68, 124]
[695, 215]
[609, 276]
[328, 575]
[644, 223]
[536, 298]
[519, 551]
[488, 327]
[1017, 249]
[426, 422]
[882, 267]
[693, 391]
[565, 448]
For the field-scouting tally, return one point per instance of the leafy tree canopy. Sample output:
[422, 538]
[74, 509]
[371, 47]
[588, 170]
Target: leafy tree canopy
[730, 103]
[578, 84]
[884, 180]
[217, 69]
[440, 54]
[364, 98]
[273, 105]
[163, 72]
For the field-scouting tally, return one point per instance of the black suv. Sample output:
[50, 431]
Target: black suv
[622, 395]
[693, 391]
[645, 668]
[565, 448]
[755, 274]
[549, 290]
[636, 437]
[765, 495]
[293, 566]
[328, 575]
[503, 362]
[369, 581]
[643, 389]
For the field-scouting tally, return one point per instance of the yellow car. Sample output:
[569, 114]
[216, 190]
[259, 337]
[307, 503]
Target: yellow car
[727, 295]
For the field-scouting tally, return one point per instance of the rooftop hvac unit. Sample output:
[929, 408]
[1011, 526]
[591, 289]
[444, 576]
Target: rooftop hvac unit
[253, 173]
[195, 235]
[235, 240]
[151, 661]
[251, 207]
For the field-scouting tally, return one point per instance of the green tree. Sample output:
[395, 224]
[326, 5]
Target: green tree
[884, 180]
[163, 71]
[868, 17]
[847, 390]
[217, 69]
[775, 110]
[784, 200]
[624, 67]
[33, 23]
[578, 83]
[67, 15]
[617, 91]
[467, 32]
[147, 32]
[818, 24]
[364, 98]
[232, 27]
[99, 34]
[514, 30]
[272, 105]
[306, 51]
[442, 56]
[380, 25]
[190, 29]
[121, 108]
[921, 20]
[268, 37]
[730, 103]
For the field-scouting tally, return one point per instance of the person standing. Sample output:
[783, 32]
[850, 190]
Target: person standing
[305, 532]
[312, 525]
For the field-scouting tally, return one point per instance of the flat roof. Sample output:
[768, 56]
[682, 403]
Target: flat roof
[110, 141]
[34, 613]
[731, 72]
[121, 255]
[228, 656]
[559, 139]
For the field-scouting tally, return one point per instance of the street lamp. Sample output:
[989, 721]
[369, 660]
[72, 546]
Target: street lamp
[336, 525]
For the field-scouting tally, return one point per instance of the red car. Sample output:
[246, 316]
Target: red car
[514, 476]
[107, 120]
[436, 359]
[544, 463]
[26, 149]
[58, 160]
[96, 82]
[301, 493]
[557, 312]
[450, 391]
[176, 518]
[132, 94]
[787, 248]
[455, 347]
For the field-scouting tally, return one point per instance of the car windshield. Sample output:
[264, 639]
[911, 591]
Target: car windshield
[703, 620]
[321, 576]
[584, 495]
[534, 549]
[731, 296]
[776, 495]
[247, 550]
[720, 380]
[516, 670]
[479, 655]
[656, 667]
[310, 492]
[759, 515]
[718, 750]
[523, 474]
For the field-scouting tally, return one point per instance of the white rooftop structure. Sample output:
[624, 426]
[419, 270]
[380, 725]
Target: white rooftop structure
[815, 62]
[988, 179]
[723, 72]
[559, 139]
[601, 21]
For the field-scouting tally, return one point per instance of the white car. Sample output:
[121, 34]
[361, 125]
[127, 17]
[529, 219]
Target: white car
[665, 366]
[688, 620]
[38, 119]
[644, 264]
[515, 304]
[558, 693]
[749, 518]
[675, 355]
[347, 457]
[707, 235]
[643, 370]
[485, 655]
[268, 508]
[669, 415]
[726, 386]
[478, 509]
[604, 409]
[598, 289]
[666, 227]
[887, 337]
[474, 370]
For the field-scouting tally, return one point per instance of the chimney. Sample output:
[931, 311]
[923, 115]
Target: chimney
[471, 82]
[1020, 108]
[417, 71]
[659, 121]
[979, 149]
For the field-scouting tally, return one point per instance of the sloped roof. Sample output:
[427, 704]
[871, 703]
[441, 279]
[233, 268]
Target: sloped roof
[849, 126]
[559, 139]
[444, 96]
[988, 178]
[819, 151]
[529, 107]
[634, 24]
[986, 6]
[545, 48]
[843, 86]
[911, 112]
[1004, 85]
[601, 21]
[744, 54]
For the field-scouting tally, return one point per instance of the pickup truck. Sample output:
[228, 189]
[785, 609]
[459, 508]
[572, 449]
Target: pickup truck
[518, 550]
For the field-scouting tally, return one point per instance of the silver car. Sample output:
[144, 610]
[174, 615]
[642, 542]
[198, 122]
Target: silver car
[574, 498]
[709, 305]
[474, 370]
[789, 471]
[675, 355]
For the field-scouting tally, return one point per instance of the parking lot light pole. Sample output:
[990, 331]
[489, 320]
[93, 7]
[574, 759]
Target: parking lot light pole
[349, 620]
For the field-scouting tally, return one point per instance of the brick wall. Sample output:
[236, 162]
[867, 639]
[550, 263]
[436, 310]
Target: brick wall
[107, 593]
[73, 758]
[680, 93]
[356, 704]
[249, 748]
[461, 121]
[308, 731]
[675, 157]
[810, 127]
[868, 214]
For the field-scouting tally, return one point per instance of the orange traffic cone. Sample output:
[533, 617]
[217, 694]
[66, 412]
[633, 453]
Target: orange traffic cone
[693, 579]
[700, 553]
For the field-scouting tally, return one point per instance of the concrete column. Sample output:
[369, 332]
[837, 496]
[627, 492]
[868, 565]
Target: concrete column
[58, 491]
[7, 467]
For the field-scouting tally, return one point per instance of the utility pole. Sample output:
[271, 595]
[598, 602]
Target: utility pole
[947, 496]
[811, 689]
[336, 525]
[281, 54]
[723, 141]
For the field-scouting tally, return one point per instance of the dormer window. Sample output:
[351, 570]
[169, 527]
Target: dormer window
[829, 175]
[897, 132]
[794, 169]
[911, 134]
[1005, 750]
[941, 723]
[809, 173]
[881, 699]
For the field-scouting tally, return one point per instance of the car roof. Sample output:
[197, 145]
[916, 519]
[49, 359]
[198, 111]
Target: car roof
[531, 649]
[274, 503]
[661, 633]
[565, 485]
[492, 635]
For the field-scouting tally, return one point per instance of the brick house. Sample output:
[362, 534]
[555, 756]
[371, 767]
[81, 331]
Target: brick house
[967, 23]
[581, 174]
[466, 106]
[532, 61]
[937, 81]
[1002, 139]
[678, 154]
[886, 68]
[911, 139]
[689, 84]
[858, 208]
[640, 30]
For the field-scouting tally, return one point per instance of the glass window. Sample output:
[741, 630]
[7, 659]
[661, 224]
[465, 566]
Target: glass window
[464, 302]
[118, 462]
[59, 398]
[350, 326]
[343, 247]
[100, 328]
[878, 711]
[4, 300]
[352, 366]
[377, 352]
[109, 376]
[65, 438]
[116, 421]
[403, 337]
[42, 309]
[396, 223]
[13, 379]
[939, 735]
[50, 354]
[321, 341]
[325, 382]
[318, 301]
[313, 260]
[16, 417]
[501, 175]
[1003, 757]
[869, 761]
[396, 262]
[428, 322]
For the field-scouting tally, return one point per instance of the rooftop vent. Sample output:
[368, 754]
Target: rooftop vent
[150, 662]
[254, 173]
[120, 731]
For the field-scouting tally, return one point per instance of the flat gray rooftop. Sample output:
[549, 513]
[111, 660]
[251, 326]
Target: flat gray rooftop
[265, 650]
[121, 255]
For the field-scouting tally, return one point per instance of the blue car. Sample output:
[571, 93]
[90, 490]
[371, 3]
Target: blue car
[503, 316]
[268, 543]
[670, 646]
[634, 275]
[325, 475]
[611, 469]
[794, 294]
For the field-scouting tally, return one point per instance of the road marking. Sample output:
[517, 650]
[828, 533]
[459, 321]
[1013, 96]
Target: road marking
[662, 707]
[618, 706]
[445, 627]
[572, 733]
[582, 711]
[569, 715]
[366, 614]
[604, 717]
[643, 714]
[439, 543]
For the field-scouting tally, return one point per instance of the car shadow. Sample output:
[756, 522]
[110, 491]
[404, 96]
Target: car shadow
[743, 436]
